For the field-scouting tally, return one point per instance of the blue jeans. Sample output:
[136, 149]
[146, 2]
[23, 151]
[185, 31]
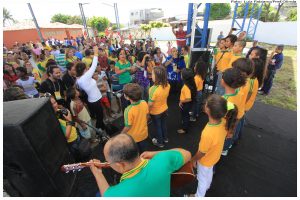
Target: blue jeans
[197, 104]
[219, 89]
[239, 128]
[268, 81]
[142, 145]
[160, 123]
[186, 108]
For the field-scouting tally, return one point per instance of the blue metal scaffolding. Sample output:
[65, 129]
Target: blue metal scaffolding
[203, 31]
[253, 20]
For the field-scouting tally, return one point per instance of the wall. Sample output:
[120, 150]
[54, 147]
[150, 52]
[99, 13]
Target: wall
[268, 32]
[23, 36]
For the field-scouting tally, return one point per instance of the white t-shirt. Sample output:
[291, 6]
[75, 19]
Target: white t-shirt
[88, 84]
[101, 76]
[28, 86]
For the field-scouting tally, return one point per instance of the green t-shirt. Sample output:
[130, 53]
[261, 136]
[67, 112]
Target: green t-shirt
[124, 77]
[153, 180]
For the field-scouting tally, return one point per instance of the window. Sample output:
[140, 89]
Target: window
[132, 14]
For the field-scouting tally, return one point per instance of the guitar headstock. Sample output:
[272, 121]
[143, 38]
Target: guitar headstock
[72, 167]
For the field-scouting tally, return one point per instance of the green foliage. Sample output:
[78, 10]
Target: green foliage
[145, 27]
[7, 16]
[292, 15]
[219, 11]
[101, 34]
[115, 27]
[99, 23]
[268, 12]
[66, 19]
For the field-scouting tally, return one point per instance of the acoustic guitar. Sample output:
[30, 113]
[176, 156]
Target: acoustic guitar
[185, 175]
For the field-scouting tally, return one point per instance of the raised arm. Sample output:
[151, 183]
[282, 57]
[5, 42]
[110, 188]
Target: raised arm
[90, 72]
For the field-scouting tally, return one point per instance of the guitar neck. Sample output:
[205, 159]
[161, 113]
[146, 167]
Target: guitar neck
[98, 164]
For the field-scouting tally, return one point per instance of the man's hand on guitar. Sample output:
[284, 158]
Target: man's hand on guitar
[95, 170]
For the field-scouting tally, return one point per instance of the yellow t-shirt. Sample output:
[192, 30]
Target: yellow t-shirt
[198, 82]
[73, 135]
[135, 117]
[158, 95]
[185, 93]
[212, 142]
[186, 60]
[223, 64]
[42, 64]
[237, 99]
[110, 58]
[88, 61]
[254, 89]
[245, 90]
[233, 58]
[73, 59]
[37, 75]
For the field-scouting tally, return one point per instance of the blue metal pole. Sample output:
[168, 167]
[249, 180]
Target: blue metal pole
[245, 15]
[234, 14]
[257, 19]
[205, 25]
[189, 22]
[250, 20]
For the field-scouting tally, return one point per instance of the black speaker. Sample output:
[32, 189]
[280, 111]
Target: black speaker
[34, 149]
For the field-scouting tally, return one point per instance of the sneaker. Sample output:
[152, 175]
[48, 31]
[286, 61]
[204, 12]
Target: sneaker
[224, 153]
[155, 142]
[230, 146]
[181, 131]
[261, 92]
[166, 140]
[190, 113]
[192, 119]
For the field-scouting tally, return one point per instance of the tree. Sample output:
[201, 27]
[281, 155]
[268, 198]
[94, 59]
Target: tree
[7, 17]
[292, 15]
[99, 23]
[277, 12]
[219, 11]
[268, 13]
[66, 19]
[115, 27]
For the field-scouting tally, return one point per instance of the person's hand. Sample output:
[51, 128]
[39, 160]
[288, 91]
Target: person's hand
[148, 154]
[180, 104]
[194, 163]
[68, 117]
[177, 70]
[96, 50]
[94, 169]
[104, 78]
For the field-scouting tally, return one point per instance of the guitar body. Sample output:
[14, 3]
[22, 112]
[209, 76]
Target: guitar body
[185, 175]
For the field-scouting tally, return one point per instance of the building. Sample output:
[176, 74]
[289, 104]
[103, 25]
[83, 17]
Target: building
[26, 31]
[145, 15]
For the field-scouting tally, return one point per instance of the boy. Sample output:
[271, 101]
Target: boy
[237, 52]
[115, 86]
[135, 115]
[274, 64]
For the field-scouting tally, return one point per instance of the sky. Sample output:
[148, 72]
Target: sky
[45, 10]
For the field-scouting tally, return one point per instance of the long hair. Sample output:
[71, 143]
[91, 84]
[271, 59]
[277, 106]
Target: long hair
[201, 68]
[234, 78]
[259, 70]
[80, 67]
[189, 81]
[217, 106]
[160, 76]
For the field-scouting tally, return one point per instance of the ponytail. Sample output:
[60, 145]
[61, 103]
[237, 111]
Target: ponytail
[231, 116]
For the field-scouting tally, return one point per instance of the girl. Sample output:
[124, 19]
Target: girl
[70, 56]
[27, 82]
[231, 81]
[200, 70]
[187, 97]
[79, 112]
[221, 120]
[158, 95]
[246, 69]
[158, 57]
[141, 75]
[9, 75]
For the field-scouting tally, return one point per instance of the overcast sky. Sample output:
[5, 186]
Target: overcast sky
[44, 10]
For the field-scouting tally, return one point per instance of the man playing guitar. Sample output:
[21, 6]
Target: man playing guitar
[140, 177]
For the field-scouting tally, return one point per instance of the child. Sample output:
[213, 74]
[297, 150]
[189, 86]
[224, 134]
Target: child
[200, 70]
[115, 86]
[158, 95]
[237, 51]
[221, 120]
[256, 82]
[187, 97]
[104, 100]
[246, 69]
[231, 81]
[135, 115]
[79, 112]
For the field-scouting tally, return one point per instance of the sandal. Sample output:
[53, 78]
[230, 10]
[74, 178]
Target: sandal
[181, 131]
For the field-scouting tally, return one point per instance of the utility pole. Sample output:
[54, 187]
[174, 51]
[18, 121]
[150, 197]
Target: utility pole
[36, 24]
[84, 19]
[117, 16]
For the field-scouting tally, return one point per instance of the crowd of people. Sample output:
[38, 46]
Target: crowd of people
[82, 79]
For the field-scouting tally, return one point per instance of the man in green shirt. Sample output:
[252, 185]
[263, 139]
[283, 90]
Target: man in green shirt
[140, 177]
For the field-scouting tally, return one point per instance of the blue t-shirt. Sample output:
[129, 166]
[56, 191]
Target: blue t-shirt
[278, 61]
[114, 78]
[78, 55]
[179, 64]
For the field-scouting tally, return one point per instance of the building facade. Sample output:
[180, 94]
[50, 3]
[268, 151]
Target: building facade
[145, 15]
